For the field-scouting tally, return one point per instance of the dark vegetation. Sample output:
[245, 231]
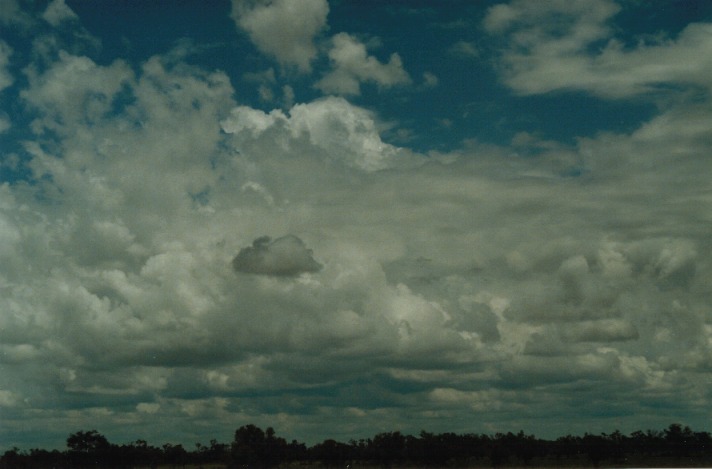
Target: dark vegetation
[256, 448]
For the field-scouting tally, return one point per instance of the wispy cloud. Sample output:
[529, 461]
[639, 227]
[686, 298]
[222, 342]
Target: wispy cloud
[554, 46]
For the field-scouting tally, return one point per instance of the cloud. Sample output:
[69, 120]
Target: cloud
[582, 20]
[435, 278]
[331, 127]
[439, 275]
[57, 12]
[600, 331]
[283, 29]
[11, 13]
[556, 45]
[286, 256]
[74, 89]
[6, 78]
[351, 66]
[5, 124]
[464, 49]
[430, 80]
[9, 399]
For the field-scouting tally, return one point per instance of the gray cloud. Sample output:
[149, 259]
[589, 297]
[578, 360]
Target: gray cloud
[286, 256]
[469, 281]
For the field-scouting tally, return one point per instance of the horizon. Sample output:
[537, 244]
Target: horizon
[350, 217]
[350, 441]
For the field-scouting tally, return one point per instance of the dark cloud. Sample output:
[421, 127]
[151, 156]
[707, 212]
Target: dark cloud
[286, 256]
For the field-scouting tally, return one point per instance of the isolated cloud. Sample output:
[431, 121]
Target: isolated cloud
[286, 256]
[548, 47]
[430, 80]
[284, 29]
[351, 66]
[58, 11]
[464, 49]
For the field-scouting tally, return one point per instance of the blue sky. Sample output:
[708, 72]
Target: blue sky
[340, 218]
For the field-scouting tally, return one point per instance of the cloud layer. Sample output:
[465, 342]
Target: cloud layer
[550, 286]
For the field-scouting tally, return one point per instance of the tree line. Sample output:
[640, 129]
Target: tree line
[256, 448]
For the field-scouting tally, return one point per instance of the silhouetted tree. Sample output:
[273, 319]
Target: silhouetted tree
[14, 458]
[249, 445]
[679, 440]
[617, 446]
[389, 448]
[87, 442]
[498, 450]
[525, 447]
[331, 453]
[256, 448]
[88, 448]
[175, 455]
[595, 447]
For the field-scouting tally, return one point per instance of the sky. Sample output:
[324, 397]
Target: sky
[338, 218]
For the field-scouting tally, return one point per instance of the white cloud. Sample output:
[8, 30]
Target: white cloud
[352, 66]
[337, 130]
[245, 118]
[445, 273]
[284, 29]
[57, 12]
[583, 20]
[73, 90]
[549, 49]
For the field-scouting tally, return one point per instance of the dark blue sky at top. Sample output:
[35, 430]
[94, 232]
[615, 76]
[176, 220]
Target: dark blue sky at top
[469, 97]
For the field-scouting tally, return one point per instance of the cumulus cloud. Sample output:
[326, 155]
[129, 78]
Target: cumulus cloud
[439, 276]
[334, 129]
[443, 274]
[286, 256]
[57, 12]
[284, 29]
[74, 88]
[548, 47]
[352, 66]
